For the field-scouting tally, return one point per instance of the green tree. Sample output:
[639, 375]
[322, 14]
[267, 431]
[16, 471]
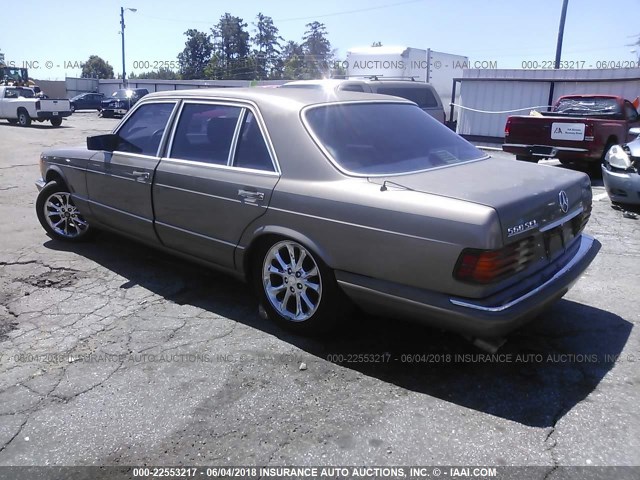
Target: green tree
[196, 55]
[292, 61]
[161, 74]
[231, 59]
[96, 67]
[267, 48]
[317, 50]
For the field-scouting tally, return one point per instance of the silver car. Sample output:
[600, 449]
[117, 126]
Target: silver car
[620, 172]
[321, 200]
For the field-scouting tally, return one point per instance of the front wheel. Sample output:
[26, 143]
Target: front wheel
[59, 216]
[56, 122]
[296, 289]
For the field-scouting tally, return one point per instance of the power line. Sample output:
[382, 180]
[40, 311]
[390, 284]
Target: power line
[282, 20]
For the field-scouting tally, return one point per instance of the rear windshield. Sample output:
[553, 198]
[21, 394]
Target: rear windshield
[589, 106]
[386, 138]
[422, 96]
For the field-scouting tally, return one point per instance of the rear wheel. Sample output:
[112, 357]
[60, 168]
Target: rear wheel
[296, 289]
[59, 216]
[73, 108]
[23, 118]
[56, 122]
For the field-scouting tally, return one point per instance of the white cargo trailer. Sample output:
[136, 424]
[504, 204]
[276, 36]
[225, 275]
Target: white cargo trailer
[398, 62]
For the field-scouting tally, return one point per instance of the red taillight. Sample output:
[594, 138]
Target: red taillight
[38, 105]
[507, 128]
[588, 132]
[486, 266]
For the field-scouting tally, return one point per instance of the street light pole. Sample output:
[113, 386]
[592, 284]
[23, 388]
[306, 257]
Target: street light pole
[556, 65]
[124, 75]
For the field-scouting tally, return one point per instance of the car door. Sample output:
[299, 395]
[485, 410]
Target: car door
[7, 109]
[92, 101]
[119, 182]
[217, 178]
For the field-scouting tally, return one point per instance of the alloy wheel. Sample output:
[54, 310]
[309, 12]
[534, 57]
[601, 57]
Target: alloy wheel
[63, 217]
[291, 280]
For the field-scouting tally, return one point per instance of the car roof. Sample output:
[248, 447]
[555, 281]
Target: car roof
[298, 97]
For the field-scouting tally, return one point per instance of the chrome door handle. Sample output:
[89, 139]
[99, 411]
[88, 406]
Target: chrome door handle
[141, 175]
[250, 195]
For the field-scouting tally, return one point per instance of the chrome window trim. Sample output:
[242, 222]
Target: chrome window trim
[245, 105]
[335, 163]
[265, 173]
[235, 138]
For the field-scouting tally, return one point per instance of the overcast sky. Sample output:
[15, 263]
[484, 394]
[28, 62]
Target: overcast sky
[60, 35]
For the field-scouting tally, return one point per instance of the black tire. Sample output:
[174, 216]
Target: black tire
[53, 203]
[24, 120]
[56, 122]
[12, 121]
[331, 305]
[73, 108]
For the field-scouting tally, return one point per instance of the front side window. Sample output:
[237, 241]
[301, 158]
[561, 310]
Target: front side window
[143, 130]
[205, 133]
[386, 138]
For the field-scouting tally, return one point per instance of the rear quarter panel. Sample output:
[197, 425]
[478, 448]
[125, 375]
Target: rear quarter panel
[409, 238]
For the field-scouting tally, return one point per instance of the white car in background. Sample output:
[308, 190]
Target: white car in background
[421, 93]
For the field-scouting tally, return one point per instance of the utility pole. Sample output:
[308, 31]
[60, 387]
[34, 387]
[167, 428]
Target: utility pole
[124, 75]
[563, 17]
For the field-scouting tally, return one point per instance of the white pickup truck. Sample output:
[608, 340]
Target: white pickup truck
[20, 105]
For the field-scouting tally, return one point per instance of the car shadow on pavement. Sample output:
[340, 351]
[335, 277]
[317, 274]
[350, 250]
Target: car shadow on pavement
[37, 126]
[540, 374]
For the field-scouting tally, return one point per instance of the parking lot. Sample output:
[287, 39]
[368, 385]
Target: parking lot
[114, 354]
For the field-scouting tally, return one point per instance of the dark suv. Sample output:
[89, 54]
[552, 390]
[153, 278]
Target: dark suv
[87, 101]
[121, 101]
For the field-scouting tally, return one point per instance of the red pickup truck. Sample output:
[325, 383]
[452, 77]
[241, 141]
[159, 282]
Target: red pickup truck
[579, 129]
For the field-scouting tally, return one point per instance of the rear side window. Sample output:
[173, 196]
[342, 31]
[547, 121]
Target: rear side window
[143, 130]
[386, 138]
[252, 151]
[205, 133]
[424, 97]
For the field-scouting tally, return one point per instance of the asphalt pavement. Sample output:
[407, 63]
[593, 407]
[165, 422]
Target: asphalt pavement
[114, 354]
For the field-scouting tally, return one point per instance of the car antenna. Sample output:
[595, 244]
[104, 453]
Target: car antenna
[384, 188]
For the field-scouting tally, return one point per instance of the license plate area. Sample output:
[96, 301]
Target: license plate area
[558, 239]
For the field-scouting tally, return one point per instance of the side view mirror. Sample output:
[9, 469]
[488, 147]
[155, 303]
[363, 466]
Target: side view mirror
[634, 131]
[108, 142]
